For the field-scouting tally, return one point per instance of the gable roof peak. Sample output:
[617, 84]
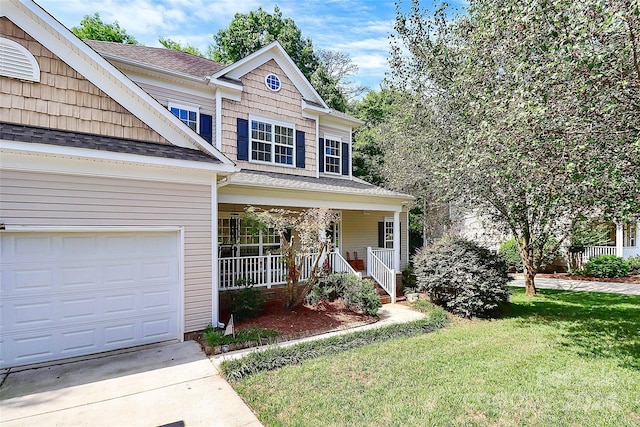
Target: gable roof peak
[275, 51]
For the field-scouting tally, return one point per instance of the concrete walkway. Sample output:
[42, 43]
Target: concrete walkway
[581, 285]
[166, 385]
[163, 385]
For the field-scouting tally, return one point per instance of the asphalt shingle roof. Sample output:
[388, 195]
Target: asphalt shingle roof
[323, 184]
[169, 59]
[14, 132]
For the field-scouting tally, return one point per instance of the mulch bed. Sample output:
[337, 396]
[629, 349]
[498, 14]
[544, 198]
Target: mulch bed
[302, 322]
[565, 276]
[306, 320]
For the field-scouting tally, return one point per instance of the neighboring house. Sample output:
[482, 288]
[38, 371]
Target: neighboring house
[623, 241]
[123, 182]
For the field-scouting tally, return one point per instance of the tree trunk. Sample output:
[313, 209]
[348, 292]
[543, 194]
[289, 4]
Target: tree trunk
[528, 254]
[529, 284]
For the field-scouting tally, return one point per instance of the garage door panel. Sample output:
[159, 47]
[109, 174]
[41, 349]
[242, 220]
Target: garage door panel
[62, 304]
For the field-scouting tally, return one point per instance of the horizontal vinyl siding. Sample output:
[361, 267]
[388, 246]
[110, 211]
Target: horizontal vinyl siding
[42, 199]
[360, 231]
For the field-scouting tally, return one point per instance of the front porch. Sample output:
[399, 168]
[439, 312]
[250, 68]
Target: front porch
[624, 242]
[364, 244]
[270, 270]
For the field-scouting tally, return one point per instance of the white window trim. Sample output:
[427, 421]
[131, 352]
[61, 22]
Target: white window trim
[338, 139]
[273, 144]
[387, 220]
[187, 107]
[279, 82]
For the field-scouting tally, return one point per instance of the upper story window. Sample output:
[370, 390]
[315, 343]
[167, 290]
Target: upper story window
[188, 114]
[272, 142]
[273, 82]
[333, 155]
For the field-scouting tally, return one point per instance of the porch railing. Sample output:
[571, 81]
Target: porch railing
[590, 251]
[341, 265]
[266, 270]
[383, 274]
[384, 255]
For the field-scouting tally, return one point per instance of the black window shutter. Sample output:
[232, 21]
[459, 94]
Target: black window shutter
[206, 127]
[345, 159]
[287, 235]
[300, 149]
[243, 139]
[321, 155]
[381, 234]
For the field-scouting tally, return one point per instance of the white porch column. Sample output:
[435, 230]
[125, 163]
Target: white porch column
[396, 241]
[619, 239]
[215, 275]
[637, 242]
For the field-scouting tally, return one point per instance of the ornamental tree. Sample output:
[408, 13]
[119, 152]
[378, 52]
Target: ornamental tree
[526, 113]
[300, 237]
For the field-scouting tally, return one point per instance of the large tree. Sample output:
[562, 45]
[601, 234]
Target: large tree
[249, 32]
[527, 113]
[93, 28]
[327, 70]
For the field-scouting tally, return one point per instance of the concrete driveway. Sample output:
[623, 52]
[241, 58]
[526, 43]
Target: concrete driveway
[165, 385]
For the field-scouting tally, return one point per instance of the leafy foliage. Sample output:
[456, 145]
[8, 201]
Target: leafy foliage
[279, 357]
[172, 44]
[357, 294]
[249, 32]
[634, 265]
[525, 112]
[510, 253]
[246, 302]
[606, 266]
[93, 28]
[462, 277]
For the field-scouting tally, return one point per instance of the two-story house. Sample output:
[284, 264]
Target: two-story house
[125, 171]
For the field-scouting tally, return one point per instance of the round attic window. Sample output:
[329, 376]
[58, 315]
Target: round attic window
[273, 82]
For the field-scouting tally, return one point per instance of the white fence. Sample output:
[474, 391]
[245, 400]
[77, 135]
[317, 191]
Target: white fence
[590, 251]
[382, 273]
[269, 270]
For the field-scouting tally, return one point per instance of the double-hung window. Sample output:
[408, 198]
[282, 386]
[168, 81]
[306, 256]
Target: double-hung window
[188, 114]
[272, 142]
[332, 155]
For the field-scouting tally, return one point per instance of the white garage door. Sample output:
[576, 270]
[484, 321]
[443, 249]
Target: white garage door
[70, 294]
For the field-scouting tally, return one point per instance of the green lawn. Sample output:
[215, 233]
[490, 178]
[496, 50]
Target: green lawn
[560, 358]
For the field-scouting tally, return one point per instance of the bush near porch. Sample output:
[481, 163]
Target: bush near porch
[357, 294]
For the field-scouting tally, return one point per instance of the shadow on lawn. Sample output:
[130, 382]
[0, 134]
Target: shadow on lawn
[592, 324]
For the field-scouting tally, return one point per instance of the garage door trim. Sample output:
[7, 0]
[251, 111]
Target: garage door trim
[179, 238]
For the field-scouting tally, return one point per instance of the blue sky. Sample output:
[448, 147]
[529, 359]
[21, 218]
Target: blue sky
[359, 28]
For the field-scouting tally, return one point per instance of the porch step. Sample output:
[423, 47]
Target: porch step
[385, 298]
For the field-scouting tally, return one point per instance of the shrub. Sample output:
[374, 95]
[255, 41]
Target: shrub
[361, 296]
[634, 265]
[246, 302]
[462, 277]
[606, 266]
[409, 282]
[510, 253]
[358, 294]
[278, 357]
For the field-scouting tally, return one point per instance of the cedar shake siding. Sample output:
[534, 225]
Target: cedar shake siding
[63, 99]
[284, 106]
[49, 199]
